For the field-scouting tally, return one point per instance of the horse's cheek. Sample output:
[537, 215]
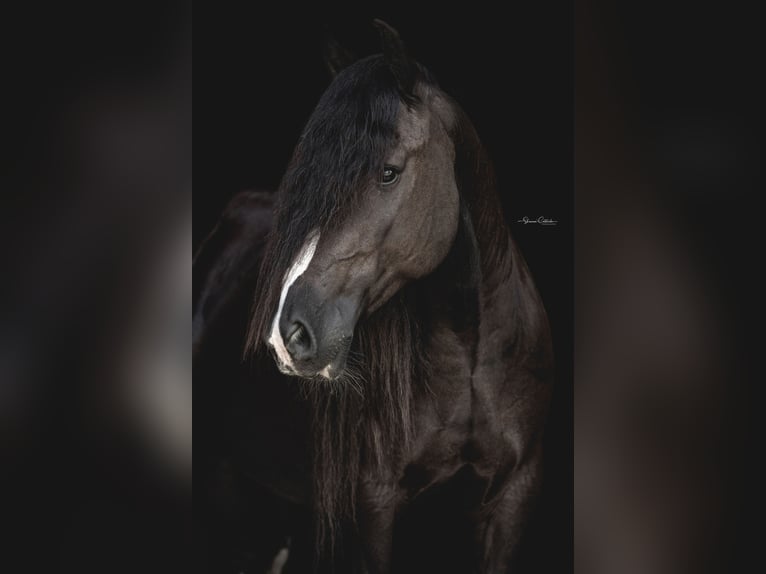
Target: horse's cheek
[445, 220]
[432, 240]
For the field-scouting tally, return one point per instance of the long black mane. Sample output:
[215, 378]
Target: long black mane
[343, 144]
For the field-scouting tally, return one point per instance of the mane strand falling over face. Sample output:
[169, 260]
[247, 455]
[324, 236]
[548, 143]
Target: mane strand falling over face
[342, 147]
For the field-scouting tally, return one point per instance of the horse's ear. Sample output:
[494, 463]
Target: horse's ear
[336, 57]
[397, 58]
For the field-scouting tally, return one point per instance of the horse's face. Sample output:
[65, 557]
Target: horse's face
[399, 230]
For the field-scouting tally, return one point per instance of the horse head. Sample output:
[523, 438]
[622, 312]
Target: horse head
[368, 204]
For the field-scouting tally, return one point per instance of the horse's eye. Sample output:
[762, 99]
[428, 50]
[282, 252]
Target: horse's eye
[390, 175]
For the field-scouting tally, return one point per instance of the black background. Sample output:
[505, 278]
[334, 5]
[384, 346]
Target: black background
[261, 72]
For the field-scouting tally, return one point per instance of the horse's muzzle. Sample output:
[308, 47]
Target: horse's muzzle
[316, 332]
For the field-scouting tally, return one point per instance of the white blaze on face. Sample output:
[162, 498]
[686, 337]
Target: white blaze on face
[297, 269]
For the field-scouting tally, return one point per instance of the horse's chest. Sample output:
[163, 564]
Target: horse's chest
[464, 385]
[449, 440]
[457, 422]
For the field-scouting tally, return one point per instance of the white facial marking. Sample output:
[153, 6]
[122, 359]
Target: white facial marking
[297, 269]
[325, 372]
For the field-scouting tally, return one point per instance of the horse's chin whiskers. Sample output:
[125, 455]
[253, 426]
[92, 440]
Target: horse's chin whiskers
[353, 375]
[351, 379]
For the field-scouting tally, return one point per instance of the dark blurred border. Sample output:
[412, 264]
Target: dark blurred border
[96, 198]
[668, 292]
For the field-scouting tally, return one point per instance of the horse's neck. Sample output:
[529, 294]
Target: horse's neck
[482, 275]
[482, 292]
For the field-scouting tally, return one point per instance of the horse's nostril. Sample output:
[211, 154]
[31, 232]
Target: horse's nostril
[299, 341]
[297, 331]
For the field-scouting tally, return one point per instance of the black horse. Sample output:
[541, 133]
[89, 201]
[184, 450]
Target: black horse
[391, 289]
